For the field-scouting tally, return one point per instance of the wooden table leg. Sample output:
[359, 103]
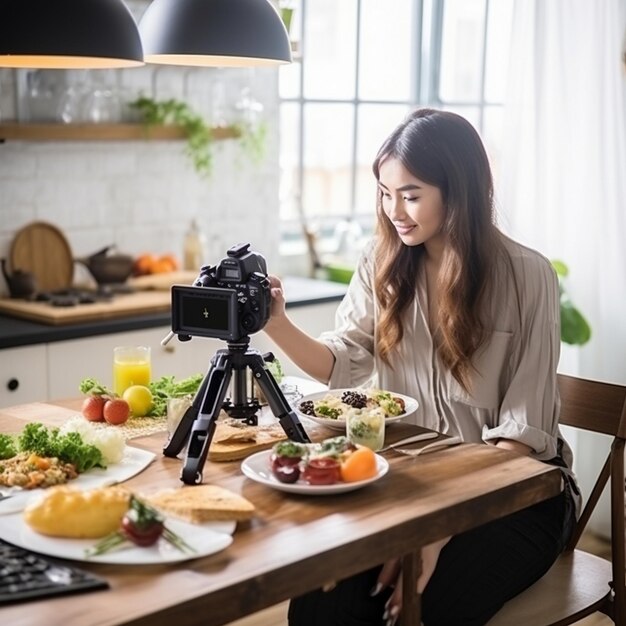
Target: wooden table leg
[411, 600]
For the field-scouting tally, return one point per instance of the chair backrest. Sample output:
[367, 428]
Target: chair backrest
[601, 407]
[592, 405]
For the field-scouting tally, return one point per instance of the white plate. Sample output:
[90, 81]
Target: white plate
[133, 461]
[410, 406]
[205, 539]
[257, 467]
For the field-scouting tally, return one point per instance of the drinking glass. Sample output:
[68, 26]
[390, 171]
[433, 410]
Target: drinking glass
[131, 366]
[176, 408]
[366, 427]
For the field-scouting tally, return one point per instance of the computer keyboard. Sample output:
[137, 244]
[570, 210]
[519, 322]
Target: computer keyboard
[27, 576]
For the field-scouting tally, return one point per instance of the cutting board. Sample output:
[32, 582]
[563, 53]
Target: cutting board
[121, 305]
[42, 249]
[231, 443]
[163, 282]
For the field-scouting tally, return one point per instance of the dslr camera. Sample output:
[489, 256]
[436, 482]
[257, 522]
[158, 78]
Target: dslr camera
[228, 301]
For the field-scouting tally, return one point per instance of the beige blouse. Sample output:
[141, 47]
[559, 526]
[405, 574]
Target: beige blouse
[514, 390]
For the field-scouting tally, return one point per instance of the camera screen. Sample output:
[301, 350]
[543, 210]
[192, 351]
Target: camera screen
[207, 312]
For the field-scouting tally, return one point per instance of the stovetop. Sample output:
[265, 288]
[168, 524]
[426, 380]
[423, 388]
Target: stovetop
[75, 296]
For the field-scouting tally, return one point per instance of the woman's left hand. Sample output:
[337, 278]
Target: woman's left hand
[391, 576]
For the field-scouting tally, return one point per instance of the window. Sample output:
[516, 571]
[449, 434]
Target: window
[359, 67]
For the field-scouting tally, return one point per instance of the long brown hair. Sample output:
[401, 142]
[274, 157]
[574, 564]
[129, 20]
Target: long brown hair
[441, 149]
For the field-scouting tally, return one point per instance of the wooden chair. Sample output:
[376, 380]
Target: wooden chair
[579, 583]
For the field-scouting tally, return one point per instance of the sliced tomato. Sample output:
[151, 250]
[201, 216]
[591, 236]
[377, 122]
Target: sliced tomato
[321, 471]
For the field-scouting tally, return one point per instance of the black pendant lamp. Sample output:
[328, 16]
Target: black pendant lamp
[68, 34]
[216, 33]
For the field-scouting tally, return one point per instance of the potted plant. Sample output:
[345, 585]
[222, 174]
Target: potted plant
[575, 329]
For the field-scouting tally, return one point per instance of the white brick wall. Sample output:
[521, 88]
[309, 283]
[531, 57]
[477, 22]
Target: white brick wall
[142, 195]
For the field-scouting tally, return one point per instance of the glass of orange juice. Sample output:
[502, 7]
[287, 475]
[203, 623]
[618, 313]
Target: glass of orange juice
[131, 366]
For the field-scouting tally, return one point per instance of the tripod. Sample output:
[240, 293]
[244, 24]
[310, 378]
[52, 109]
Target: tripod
[198, 422]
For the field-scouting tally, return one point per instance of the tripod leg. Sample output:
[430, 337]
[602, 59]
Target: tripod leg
[277, 401]
[204, 424]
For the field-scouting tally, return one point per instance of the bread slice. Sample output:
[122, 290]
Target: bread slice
[234, 440]
[202, 503]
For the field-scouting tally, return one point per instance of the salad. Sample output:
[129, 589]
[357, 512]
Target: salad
[42, 457]
[333, 406]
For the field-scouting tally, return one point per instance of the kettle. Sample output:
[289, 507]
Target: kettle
[21, 284]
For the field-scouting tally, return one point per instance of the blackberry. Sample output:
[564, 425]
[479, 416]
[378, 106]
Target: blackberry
[354, 399]
[307, 407]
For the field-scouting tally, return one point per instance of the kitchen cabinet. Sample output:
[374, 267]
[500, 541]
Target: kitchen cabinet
[23, 375]
[49, 371]
[92, 357]
[68, 362]
[314, 319]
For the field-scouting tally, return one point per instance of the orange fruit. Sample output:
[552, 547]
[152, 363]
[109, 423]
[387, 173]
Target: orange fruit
[359, 465]
[171, 259]
[161, 266]
[143, 264]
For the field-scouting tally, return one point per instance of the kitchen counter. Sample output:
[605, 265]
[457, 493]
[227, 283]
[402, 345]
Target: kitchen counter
[16, 332]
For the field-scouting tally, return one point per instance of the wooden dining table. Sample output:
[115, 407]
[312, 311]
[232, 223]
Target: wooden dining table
[294, 543]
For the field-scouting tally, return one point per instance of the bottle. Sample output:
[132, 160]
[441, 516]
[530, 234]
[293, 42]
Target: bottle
[194, 249]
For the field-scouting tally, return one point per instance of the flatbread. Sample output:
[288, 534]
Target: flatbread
[202, 503]
[234, 440]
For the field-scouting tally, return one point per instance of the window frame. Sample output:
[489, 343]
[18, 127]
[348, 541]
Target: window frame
[428, 18]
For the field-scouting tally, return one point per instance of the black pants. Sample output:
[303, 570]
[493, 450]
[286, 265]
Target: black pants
[477, 572]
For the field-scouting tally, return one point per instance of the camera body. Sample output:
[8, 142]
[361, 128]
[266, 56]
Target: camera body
[228, 301]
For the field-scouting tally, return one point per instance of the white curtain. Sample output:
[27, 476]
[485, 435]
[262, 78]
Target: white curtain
[563, 186]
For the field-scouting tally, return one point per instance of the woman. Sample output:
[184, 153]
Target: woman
[443, 307]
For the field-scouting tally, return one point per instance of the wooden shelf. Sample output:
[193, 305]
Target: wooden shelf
[100, 132]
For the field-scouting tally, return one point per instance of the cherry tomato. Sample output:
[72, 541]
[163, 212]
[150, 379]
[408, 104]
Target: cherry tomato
[142, 536]
[142, 524]
[93, 408]
[321, 471]
[116, 411]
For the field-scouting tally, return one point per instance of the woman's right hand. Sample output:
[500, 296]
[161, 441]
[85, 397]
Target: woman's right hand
[310, 355]
[277, 306]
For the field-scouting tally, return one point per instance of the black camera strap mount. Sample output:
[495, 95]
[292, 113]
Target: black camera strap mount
[197, 425]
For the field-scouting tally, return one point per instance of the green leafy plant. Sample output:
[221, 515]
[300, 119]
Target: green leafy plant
[575, 329]
[175, 112]
[286, 14]
[252, 136]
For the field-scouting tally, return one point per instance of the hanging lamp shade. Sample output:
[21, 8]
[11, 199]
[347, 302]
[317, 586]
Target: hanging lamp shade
[216, 33]
[67, 34]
